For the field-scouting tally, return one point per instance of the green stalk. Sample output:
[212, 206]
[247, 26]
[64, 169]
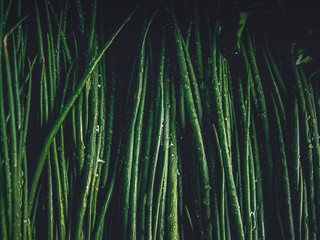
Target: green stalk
[131, 134]
[163, 170]
[260, 206]
[90, 156]
[263, 115]
[60, 195]
[193, 80]
[314, 138]
[173, 227]
[296, 147]
[110, 127]
[50, 202]
[225, 148]
[145, 169]
[180, 198]
[159, 110]
[136, 156]
[198, 46]
[307, 148]
[222, 193]
[5, 155]
[196, 130]
[246, 168]
[275, 88]
[16, 166]
[26, 217]
[305, 212]
[16, 90]
[80, 133]
[285, 175]
[301, 194]
[64, 112]
[3, 225]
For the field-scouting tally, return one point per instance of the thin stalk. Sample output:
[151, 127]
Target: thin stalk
[285, 175]
[314, 137]
[246, 168]
[173, 224]
[50, 202]
[64, 112]
[131, 134]
[260, 206]
[16, 165]
[307, 147]
[193, 81]
[136, 156]
[195, 125]
[163, 169]
[225, 148]
[5, 155]
[222, 193]
[263, 115]
[3, 225]
[159, 128]
[109, 130]
[90, 156]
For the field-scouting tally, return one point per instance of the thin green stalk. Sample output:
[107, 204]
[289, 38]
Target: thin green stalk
[237, 149]
[109, 131]
[5, 155]
[59, 189]
[275, 88]
[307, 147]
[285, 175]
[50, 202]
[80, 133]
[3, 225]
[296, 147]
[98, 231]
[180, 198]
[189, 220]
[145, 169]
[260, 205]
[225, 148]
[314, 137]
[193, 81]
[163, 169]
[26, 216]
[173, 224]
[64, 113]
[301, 194]
[90, 156]
[305, 212]
[222, 192]
[16, 87]
[159, 110]
[198, 45]
[16, 166]
[253, 192]
[263, 115]
[131, 134]
[246, 168]
[196, 130]
[136, 156]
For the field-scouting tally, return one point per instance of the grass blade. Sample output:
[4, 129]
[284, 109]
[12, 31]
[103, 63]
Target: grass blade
[65, 111]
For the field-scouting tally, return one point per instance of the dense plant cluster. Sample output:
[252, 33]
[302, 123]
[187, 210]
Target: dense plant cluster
[178, 123]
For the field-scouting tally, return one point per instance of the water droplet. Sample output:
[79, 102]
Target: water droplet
[100, 161]
[97, 129]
